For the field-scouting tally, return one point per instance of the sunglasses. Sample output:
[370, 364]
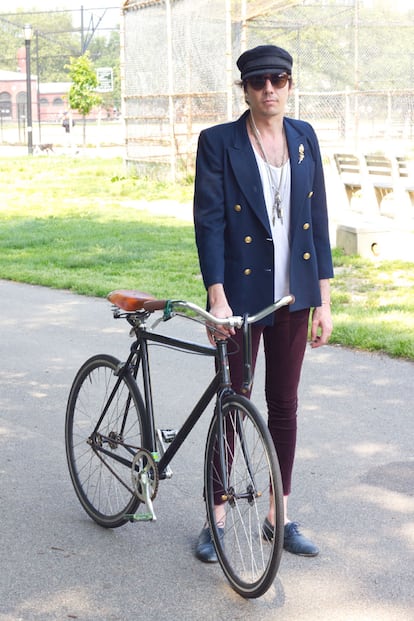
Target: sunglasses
[278, 80]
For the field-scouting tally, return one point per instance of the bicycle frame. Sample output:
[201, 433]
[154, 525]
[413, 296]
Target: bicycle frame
[138, 360]
[141, 346]
[219, 386]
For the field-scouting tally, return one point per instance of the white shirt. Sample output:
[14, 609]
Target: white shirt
[270, 176]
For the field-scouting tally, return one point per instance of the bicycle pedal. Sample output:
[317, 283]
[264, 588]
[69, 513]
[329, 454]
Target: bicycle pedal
[141, 517]
[168, 435]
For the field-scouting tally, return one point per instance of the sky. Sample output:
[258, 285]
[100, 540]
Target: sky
[44, 5]
[97, 8]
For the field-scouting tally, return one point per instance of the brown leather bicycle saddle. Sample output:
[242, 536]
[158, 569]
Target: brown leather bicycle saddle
[129, 300]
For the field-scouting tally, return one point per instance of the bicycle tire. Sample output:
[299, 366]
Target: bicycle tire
[249, 562]
[95, 476]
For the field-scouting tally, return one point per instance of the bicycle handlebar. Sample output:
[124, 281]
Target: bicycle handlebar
[234, 321]
[134, 301]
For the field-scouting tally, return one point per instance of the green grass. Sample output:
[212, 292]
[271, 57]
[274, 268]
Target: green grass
[373, 305]
[73, 224]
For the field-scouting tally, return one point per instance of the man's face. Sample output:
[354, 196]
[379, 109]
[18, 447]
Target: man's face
[267, 94]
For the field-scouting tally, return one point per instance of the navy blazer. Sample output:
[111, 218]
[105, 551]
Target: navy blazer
[232, 228]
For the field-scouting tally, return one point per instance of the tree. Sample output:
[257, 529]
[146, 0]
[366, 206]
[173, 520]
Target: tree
[82, 96]
[54, 41]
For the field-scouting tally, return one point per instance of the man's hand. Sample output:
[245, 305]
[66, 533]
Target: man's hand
[220, 308]
[321, 328]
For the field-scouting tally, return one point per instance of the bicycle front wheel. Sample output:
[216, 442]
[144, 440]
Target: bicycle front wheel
[103, 431]
[241, 479]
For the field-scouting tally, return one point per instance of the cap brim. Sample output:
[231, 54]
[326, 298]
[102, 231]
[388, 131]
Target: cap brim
[262, 71]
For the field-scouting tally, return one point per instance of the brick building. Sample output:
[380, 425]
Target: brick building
[13, 95]
[49, 99]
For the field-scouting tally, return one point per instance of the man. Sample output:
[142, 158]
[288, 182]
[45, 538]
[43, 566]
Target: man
[261, 228]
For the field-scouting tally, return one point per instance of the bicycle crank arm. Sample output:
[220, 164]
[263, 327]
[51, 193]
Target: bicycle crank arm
[150, 516]
[146, 484]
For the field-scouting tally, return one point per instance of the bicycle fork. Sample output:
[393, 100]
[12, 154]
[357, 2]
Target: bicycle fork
[226, 389]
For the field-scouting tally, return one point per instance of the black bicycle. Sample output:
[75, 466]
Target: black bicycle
[117, 455]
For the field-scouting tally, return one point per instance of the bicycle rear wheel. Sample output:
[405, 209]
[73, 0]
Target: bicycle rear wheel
[100, 456]
[249, 561]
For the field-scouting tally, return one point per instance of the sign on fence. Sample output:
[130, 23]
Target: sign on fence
[105, 80]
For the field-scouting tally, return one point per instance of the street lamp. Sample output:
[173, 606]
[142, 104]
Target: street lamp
[27, 41]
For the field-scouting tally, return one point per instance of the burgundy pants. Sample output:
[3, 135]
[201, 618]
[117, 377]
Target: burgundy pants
[284, 347]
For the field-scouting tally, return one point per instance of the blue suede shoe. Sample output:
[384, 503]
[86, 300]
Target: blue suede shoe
[205, 550]
[293, 541]
[296, 543]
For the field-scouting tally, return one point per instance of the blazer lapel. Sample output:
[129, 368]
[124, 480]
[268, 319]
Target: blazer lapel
[301, 162]
[244, 165]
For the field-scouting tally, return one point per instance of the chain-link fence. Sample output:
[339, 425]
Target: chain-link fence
[353, 72]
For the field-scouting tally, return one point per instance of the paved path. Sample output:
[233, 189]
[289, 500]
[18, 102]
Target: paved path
[354, 489]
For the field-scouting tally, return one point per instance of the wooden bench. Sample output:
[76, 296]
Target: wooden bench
[377, 174]
[382, 174]
[390, 175]
[349, 170]
[363, 231]
[406, 175]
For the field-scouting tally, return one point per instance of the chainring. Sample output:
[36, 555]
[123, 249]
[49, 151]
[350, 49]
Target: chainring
[144, 473]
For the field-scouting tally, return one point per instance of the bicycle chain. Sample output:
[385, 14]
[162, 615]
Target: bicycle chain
[150, 460]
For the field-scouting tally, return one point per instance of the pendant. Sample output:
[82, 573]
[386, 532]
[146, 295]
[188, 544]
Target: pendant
[277, 208]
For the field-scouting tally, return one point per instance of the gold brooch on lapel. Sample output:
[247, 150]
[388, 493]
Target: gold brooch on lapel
[301, 153]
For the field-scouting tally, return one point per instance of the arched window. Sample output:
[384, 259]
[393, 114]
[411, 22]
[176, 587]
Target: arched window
[58, 101]
[44, 101]
[5, 104]
[21, 105]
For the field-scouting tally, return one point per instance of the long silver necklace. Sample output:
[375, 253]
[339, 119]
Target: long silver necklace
[277, 200]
